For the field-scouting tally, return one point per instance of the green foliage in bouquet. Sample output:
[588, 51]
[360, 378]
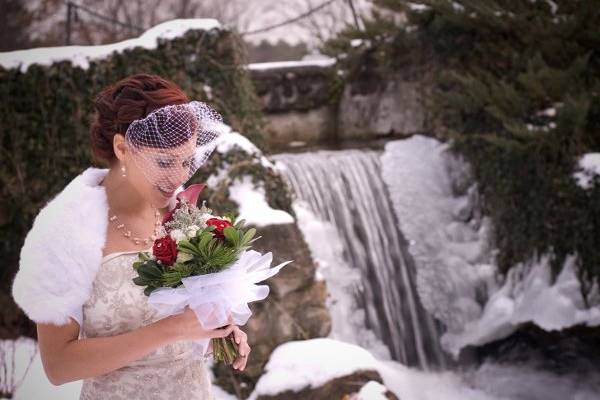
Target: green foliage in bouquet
[203, 253]
[207, 251]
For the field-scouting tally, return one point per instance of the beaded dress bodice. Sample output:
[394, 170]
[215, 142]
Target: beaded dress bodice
[117, 305]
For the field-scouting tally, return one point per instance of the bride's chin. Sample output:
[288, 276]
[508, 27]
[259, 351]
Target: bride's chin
[159, 199]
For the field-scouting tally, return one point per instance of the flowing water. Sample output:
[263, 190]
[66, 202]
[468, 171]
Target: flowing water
[345, 188]
[351, 206]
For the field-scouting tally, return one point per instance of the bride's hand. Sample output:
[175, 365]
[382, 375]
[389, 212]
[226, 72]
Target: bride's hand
[187, 327]
[241, 339]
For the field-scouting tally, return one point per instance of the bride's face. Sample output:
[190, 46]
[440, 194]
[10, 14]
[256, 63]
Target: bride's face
[157, 173]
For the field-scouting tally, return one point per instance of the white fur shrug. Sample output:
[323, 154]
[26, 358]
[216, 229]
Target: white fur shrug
[63, 251]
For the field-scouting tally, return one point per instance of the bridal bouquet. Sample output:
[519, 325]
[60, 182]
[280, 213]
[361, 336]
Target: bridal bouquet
[204, 261]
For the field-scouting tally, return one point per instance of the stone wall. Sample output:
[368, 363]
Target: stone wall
[393, 107]
[308, 103]
[297, 100]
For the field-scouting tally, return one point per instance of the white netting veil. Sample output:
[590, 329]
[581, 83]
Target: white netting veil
[172, 142]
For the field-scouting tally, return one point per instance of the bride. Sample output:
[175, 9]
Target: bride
[75, 272]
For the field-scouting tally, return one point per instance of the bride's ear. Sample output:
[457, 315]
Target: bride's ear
[120, 146]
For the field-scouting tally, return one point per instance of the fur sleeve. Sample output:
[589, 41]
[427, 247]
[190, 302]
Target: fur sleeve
[61, 254]
[63, 251]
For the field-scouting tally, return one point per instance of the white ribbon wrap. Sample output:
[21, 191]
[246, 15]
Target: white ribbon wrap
[213, 297]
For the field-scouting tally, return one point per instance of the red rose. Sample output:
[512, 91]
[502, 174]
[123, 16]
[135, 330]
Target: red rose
[220, 225]
[165, 250]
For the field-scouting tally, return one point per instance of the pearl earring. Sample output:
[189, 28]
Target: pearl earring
[123, 170]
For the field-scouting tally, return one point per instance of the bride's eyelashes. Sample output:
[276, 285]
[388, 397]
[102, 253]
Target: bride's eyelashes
[170, 163]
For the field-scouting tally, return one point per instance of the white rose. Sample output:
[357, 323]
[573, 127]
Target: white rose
[192, 230]
[204, 218]
[177, 235]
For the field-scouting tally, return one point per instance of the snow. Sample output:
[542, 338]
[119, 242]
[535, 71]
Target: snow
[356, 42]
[589, 167]
[228, 140]
[548, 112]
[412, 384]
[324, 63]
[526, 381]
[213, 180]
[372, 390]
[311, 363]
[457, 275]
[529, 295]
[448, 237]
[253, 206]
[418, 7]
[35, 384]
[458, 7]
[81, 56]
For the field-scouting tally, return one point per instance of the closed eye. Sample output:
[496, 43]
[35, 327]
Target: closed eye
[164, 163]
[169, 163]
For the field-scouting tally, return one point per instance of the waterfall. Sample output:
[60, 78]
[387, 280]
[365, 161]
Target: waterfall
[346, 188]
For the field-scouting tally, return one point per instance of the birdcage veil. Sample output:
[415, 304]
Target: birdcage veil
[172, 142]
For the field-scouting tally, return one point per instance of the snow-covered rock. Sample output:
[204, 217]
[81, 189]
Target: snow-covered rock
[311, 363]
[253, 206]
[305, 364]
[529, 295]
[457, 276]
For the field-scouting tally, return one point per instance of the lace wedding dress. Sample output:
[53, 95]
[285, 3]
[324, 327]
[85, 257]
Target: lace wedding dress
[116, 306]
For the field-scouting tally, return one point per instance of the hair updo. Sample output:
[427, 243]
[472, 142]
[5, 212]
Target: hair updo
[125, 101]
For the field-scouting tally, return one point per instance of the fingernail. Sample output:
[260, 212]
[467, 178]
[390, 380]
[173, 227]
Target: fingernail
[238, 341]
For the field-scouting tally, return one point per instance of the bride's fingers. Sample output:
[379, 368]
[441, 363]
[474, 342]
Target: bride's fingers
[244, 351]
[222, 332]
[239, 335]
[240, 363]
[242, 359]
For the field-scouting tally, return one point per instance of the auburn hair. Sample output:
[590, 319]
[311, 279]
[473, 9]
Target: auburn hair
[125, 101]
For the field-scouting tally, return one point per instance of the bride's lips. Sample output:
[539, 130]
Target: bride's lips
[164, 193]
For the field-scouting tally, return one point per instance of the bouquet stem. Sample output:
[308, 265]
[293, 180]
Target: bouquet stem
[225, 349]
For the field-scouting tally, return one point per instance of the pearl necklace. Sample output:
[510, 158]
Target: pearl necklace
[127, 233]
